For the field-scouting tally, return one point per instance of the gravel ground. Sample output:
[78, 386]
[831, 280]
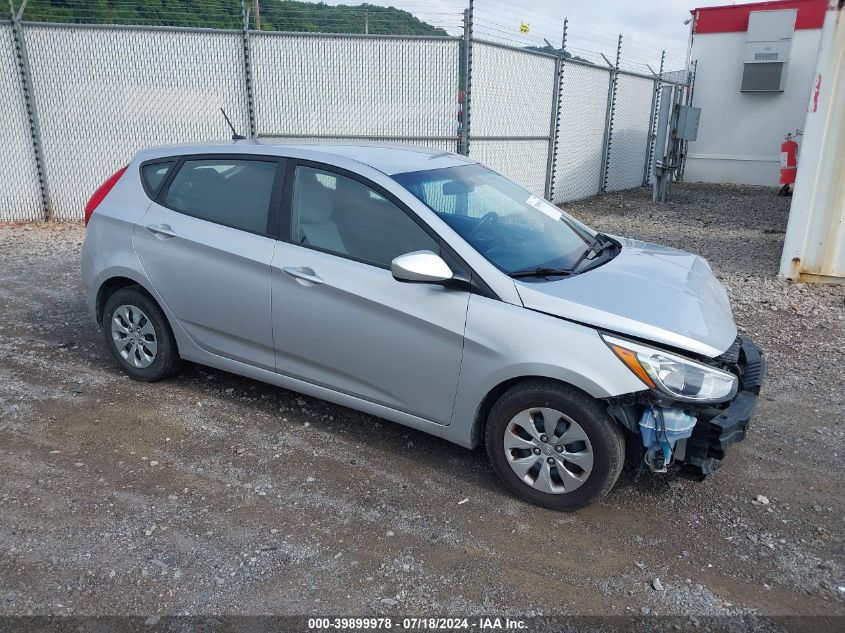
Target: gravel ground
[210, 493]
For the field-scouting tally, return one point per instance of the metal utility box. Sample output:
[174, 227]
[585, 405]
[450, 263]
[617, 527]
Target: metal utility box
[688, 118]
[768, 43]
[771, 26]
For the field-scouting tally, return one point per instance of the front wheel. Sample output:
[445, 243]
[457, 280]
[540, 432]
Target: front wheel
[553, 445]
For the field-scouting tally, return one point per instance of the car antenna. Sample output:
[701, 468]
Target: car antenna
[235, 135]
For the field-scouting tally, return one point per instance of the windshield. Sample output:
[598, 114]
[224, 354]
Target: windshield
[515, 230]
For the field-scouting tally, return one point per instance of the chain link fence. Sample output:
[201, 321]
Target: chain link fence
[582, 126]
[20, 195]
[512, 100]
[631, 133]
[102, 93]
[81, 99]
[376, 88]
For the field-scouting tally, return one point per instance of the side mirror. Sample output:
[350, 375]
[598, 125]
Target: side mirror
[421, 267]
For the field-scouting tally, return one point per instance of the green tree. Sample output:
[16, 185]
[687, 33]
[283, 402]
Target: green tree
[276, 15]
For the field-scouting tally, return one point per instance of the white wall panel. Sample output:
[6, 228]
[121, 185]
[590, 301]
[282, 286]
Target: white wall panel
[740, 133]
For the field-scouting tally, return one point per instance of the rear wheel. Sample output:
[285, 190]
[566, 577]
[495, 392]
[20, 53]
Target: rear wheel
[139, 336]
[553, 445]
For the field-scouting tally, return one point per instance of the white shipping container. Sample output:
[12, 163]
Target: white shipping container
[814, 246]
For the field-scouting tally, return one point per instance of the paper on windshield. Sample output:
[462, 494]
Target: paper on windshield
[546, 207]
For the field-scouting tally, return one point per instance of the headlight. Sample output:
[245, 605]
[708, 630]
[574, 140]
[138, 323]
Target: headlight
[676, 376]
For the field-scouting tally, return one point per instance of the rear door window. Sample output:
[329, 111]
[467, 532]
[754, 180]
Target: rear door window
[226, 191]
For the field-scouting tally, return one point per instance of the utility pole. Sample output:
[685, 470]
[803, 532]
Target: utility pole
[256, 11]
[366, 22]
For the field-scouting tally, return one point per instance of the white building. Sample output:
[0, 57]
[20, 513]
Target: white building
[754, 75]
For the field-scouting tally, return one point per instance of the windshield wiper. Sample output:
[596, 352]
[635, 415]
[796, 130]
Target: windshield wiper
[601, 243]
[542, 272]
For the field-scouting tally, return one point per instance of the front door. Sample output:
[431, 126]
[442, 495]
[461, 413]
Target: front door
[341, 320]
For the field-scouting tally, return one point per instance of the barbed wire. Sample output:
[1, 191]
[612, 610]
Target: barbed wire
[500, 21]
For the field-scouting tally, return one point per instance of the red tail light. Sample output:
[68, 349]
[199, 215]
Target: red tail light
[102, 192]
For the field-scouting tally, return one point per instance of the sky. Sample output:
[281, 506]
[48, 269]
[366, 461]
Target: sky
[647, 26]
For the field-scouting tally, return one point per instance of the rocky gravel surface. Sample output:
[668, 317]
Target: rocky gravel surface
[214, 494]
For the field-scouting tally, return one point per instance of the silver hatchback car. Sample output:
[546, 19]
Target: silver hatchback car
[423, 287]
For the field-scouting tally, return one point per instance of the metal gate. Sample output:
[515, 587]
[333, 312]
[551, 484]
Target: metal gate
[631, 133]
[373, 89]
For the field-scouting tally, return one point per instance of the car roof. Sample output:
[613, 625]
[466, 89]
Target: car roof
[389, 159]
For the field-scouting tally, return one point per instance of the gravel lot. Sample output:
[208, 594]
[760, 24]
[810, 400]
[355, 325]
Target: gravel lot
[210, 493]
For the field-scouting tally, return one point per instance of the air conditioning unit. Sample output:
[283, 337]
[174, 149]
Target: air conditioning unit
[768, 43]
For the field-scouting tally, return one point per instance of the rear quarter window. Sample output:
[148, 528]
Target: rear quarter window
[153, 175]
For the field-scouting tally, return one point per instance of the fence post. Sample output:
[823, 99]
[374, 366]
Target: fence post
[689, 95]
[250, 99]
[608, 122]
[466, 81]
[652, 131]
[554, 128]
[29, 101]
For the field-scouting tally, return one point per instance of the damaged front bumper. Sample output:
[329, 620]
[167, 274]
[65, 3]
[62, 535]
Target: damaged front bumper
[716, 426]
[716, 430]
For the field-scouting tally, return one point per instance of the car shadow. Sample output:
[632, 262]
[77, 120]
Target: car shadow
[351, 426]
[347, 425]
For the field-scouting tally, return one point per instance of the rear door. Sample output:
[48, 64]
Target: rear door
[206, 245]
[340, 319]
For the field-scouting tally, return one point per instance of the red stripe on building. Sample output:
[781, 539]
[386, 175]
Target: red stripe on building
[734, 18]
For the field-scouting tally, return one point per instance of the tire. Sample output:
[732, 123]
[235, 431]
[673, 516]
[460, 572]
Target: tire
[138, 335]
[583, 432]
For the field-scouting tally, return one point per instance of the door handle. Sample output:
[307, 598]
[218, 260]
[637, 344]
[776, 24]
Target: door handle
[303, 274]
[163, 230]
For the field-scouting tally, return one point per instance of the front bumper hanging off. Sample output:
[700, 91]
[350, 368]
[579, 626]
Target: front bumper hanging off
[712, 436]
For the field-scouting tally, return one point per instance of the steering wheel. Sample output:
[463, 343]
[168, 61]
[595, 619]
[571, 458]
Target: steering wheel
[486, 219]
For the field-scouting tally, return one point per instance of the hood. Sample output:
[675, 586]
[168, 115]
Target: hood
[648, 291]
